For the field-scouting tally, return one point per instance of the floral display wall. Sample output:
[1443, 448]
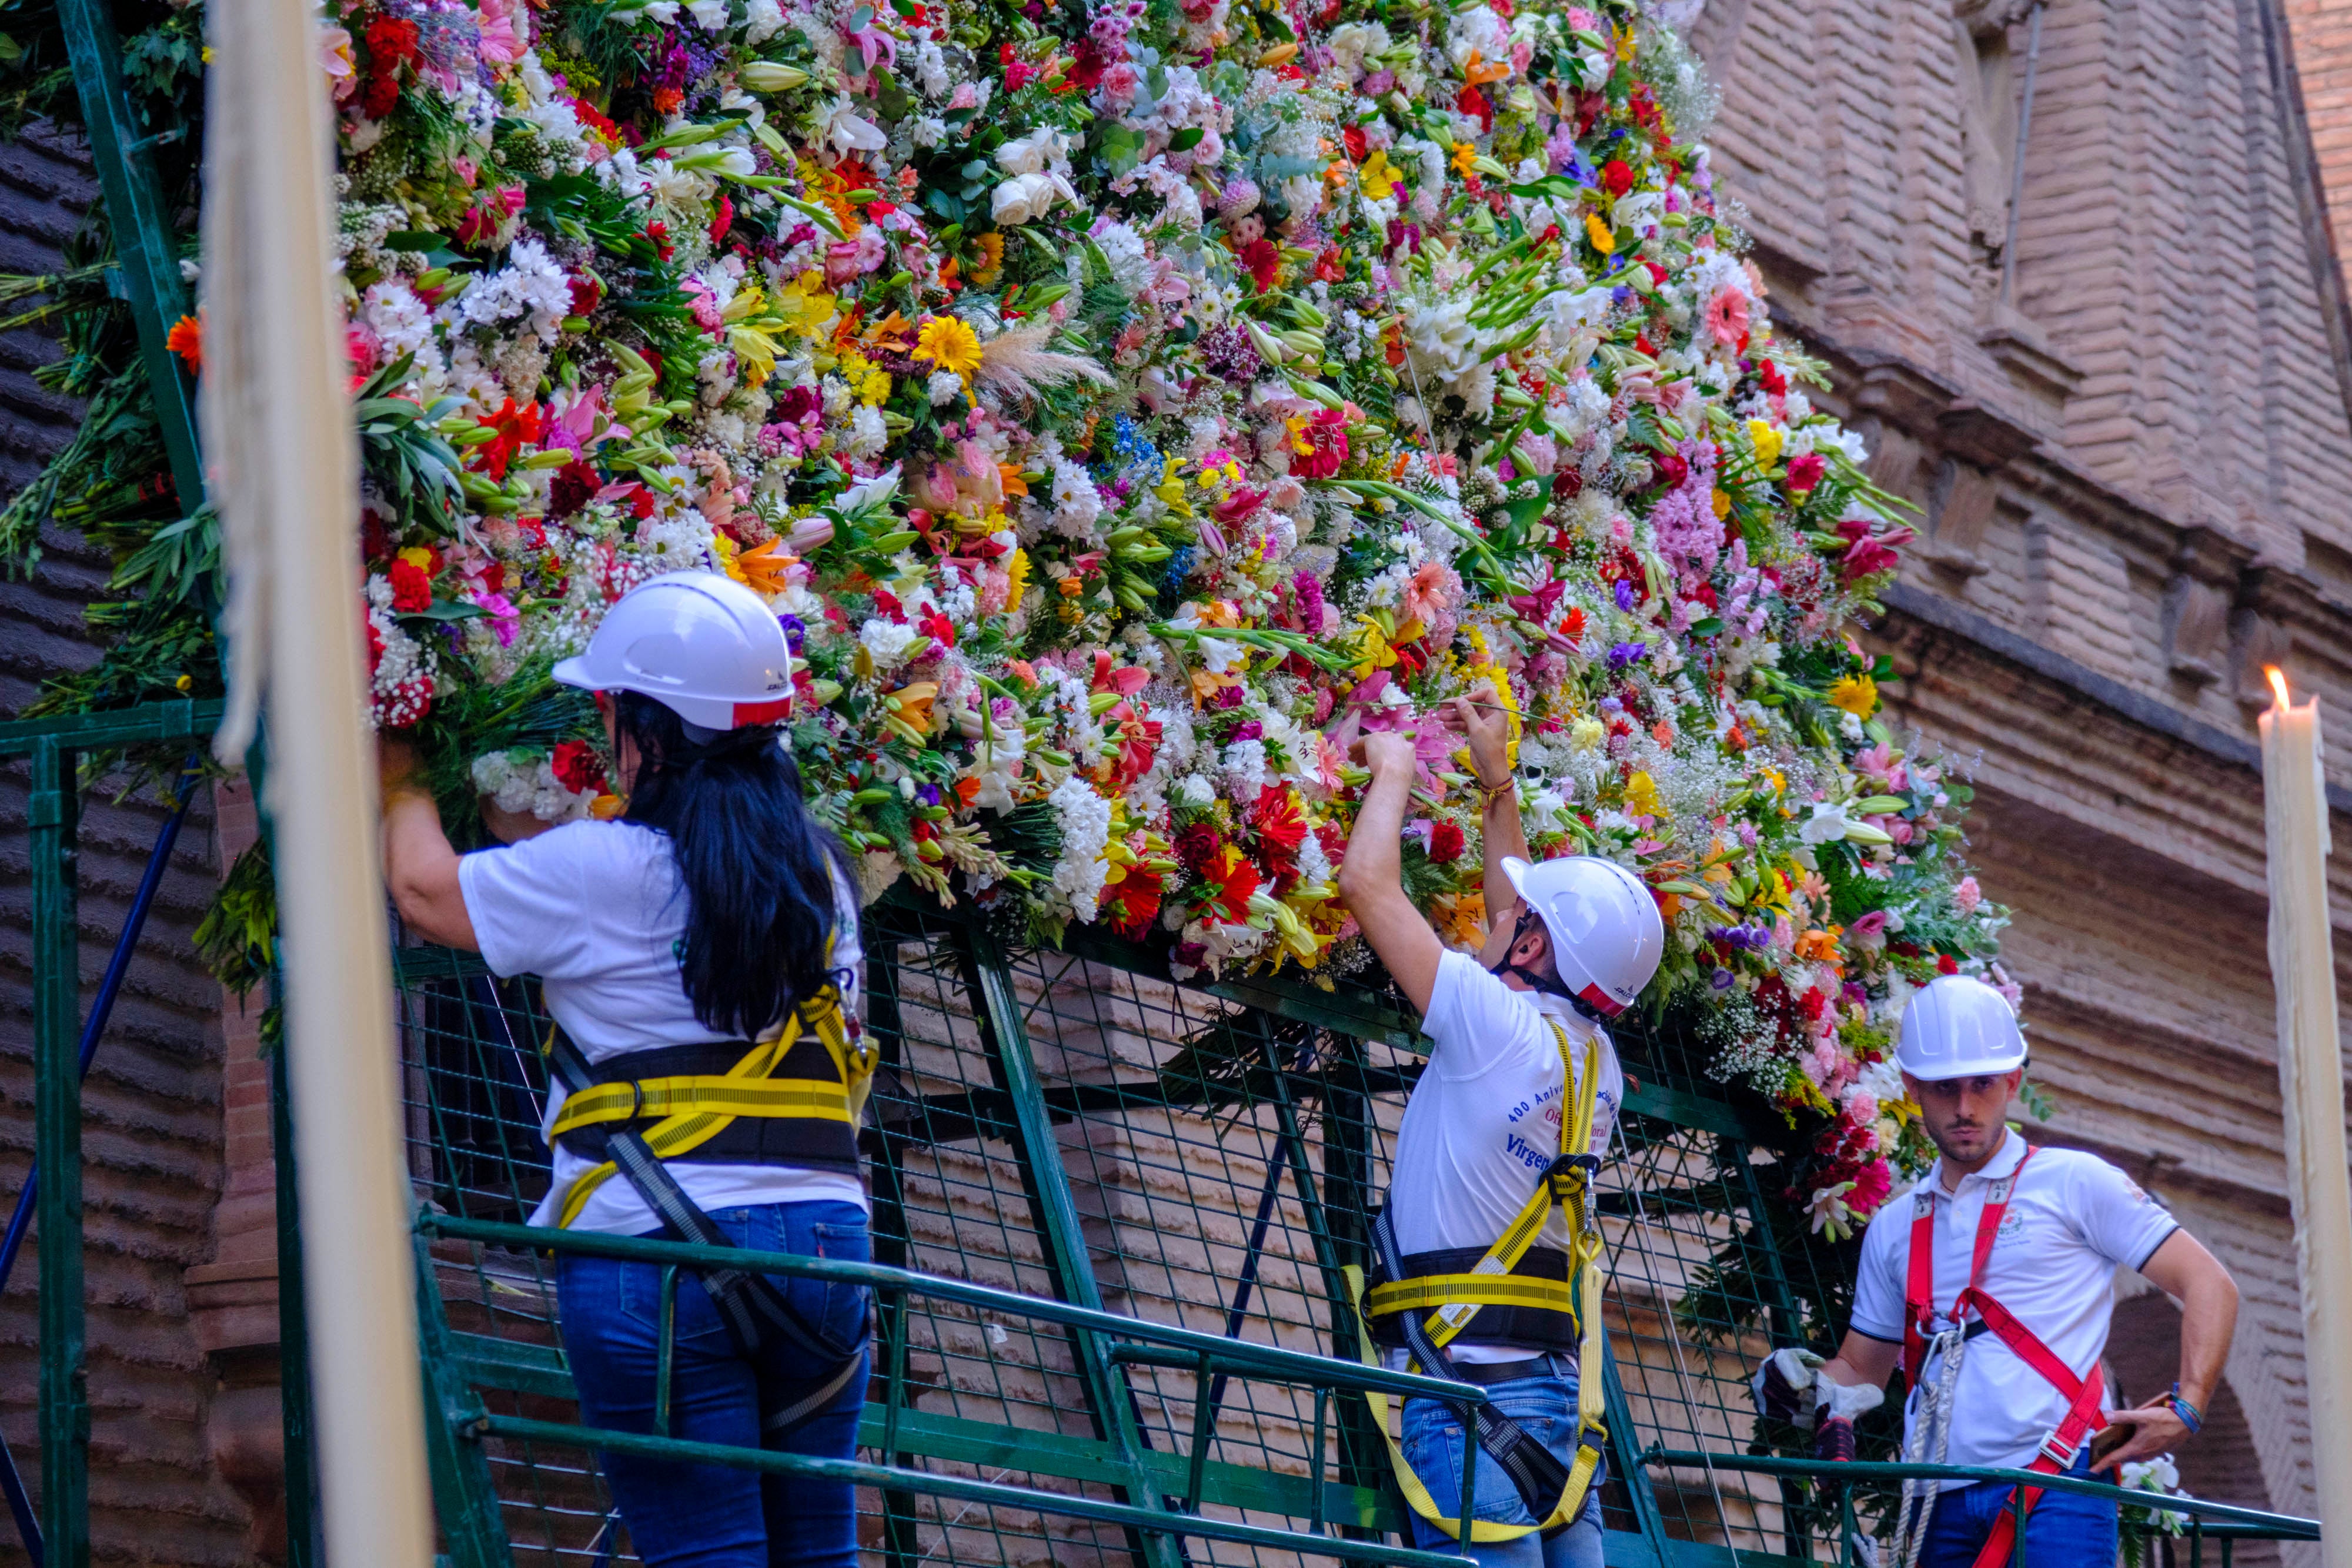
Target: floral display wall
[1124, 406]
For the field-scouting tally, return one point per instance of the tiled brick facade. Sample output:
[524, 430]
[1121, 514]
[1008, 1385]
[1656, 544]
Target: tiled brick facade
[2130, 444]
[152, 1131]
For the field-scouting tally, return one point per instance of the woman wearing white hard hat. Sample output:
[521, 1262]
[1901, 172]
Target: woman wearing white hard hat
[706, 938]
[1495, 1157]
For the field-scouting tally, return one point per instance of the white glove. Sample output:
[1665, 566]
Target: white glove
[1846, 1401]
[1785, 1386]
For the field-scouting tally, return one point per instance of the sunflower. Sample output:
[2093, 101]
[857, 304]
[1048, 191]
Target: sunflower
[948, 343]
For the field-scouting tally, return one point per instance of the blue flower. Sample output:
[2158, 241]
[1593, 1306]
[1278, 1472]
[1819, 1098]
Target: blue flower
[1625, 653]
[1624, 595]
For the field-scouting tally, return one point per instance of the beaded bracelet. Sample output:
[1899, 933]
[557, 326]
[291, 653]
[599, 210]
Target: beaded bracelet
[2190, 1415]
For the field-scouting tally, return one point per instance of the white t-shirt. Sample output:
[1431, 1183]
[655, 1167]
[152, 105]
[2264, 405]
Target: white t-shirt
[1485, 1119]
[2073, 1219]
[594, 910]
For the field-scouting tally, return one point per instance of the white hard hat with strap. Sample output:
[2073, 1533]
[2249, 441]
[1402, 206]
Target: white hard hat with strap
[1606, 933]
[702, 646]
[1958, 1027]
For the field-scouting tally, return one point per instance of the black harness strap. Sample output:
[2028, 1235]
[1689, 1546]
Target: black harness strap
[1535, 1471]
[749, 1304]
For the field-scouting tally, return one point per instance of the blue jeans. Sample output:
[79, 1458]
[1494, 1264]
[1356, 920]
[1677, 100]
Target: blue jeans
[710, 1516]
[1545, 1404]
[2064, 1529]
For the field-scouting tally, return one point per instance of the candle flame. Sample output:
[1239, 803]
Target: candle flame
[2278, 684]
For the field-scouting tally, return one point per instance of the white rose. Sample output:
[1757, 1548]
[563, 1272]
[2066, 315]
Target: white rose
[765, 22]
[1022, 198]
[710, 15]
[1031, 153]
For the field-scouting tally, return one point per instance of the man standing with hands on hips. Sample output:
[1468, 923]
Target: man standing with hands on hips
[1487, 1249]
[1992, 1284]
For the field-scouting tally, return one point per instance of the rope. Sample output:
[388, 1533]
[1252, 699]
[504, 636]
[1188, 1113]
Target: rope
[1933, 1414]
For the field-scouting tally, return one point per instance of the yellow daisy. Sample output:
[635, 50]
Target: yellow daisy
[949, 344]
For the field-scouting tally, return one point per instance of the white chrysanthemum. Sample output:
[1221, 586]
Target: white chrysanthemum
[887, 641]
[1080, 871]
[1077, 502]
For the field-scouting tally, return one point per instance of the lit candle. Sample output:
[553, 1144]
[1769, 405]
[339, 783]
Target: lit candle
[2311, 1089]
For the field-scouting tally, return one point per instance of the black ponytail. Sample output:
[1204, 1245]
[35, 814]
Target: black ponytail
[757, 870]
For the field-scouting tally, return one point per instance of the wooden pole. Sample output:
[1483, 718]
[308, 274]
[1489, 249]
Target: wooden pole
[2311, 1088]
[277, 432]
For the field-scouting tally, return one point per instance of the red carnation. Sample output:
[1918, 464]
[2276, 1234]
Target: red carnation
[1444, 843]
[391, 42]
[577, 768]
[1805, 471]
[412, 588]
[1616, 176]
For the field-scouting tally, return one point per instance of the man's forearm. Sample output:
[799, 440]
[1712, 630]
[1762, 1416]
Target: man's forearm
[2207, 1322]
[1500, 835]
[1372, 845]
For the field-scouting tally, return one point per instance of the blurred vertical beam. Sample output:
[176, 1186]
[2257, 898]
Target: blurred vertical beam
[285, 477]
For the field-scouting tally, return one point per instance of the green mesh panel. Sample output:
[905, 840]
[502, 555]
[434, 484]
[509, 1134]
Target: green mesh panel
[1222, 1148]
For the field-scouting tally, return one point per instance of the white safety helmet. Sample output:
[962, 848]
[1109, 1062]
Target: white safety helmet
[1606, 934]
[702, 646]
[1958, 1027]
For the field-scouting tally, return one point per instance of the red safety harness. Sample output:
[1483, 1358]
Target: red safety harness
[2083, 1395]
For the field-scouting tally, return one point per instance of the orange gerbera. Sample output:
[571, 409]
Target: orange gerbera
[187, 341]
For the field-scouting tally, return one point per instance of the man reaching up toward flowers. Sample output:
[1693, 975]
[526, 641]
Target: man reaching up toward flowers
[1993, 1287]
[1487, 1221]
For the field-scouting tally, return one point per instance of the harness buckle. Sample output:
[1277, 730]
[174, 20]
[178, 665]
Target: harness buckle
[1561, 1174]
[2060, 1454]
[636, 1098]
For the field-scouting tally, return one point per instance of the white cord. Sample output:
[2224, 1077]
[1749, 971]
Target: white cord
[1935, 1414]
[1682, 1372]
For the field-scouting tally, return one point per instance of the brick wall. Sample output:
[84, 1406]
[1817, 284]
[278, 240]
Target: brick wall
[151, 1132]
[2323, 57]
[2127, 437]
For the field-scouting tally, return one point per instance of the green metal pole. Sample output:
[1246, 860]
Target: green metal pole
[146, 250]
[302, 1545]
[901, 1546]
[1625, 1458]
[56, 1107]
[998, 1012]
[1347, 1202]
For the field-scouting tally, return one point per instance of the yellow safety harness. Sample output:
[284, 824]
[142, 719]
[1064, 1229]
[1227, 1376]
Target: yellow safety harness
[1456, 1298]
[696, 1109]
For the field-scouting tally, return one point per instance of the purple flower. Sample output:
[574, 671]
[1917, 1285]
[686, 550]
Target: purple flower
[794, 631]
[1722, 979]
[1625, 653]
[1309, 588]
[1624, 595]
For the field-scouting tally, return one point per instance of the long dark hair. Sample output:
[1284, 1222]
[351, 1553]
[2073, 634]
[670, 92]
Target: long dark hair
[757, 870]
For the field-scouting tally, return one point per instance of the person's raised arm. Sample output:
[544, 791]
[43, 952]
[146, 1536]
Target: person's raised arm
[1484, 726]
[1368, 875]
[420, 866]
[2190, 1275]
